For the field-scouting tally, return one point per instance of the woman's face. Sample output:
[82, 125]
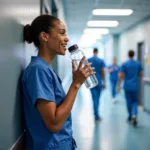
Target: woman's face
[57, 40]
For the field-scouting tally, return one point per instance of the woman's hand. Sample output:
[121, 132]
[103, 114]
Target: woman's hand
[81, 73]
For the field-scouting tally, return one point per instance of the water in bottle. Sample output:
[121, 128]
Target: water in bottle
[76, 56]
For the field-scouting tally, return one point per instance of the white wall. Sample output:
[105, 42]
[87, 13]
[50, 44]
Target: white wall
[108, 50]
[129, 39]
[12, 60]
[64, 62]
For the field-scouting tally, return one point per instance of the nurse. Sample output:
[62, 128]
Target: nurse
[47, 109]
[113, 71]
[131, 70]
[99, 66]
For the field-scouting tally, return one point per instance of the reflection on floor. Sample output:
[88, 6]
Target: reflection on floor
[113, 132]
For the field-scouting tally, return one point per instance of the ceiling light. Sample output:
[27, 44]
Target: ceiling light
[96, 30]
[112, 12]
[86, 44]
[91, 36]
[103, 23]
[88, 40]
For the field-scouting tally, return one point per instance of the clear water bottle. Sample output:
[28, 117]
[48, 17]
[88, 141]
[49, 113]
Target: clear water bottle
[76, 56]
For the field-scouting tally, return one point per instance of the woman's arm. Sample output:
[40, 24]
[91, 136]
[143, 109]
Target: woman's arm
[54, 117]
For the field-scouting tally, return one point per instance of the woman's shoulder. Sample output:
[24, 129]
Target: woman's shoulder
[37, 69]
[38, 66]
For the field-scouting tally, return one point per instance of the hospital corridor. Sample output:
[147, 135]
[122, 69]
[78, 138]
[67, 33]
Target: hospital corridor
[75, 75]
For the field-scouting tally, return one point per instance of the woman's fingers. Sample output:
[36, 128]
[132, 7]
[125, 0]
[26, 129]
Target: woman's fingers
[89, 70]
[73, 67]
[88, 65]
[84, 70]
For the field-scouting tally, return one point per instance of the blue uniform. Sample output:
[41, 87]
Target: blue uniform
[40, 81]
[131, 69]
[98, 64]
[113, 79]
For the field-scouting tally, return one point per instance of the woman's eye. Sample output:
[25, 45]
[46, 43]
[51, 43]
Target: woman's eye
[62, 33]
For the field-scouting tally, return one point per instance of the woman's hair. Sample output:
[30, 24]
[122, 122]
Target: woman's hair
[40, 24]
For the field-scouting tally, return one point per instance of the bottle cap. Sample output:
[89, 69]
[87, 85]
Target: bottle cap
[73, 47]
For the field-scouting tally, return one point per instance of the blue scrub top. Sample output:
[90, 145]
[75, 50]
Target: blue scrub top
[98, 64]
[114, 73]
[131, 69]
[40, 81]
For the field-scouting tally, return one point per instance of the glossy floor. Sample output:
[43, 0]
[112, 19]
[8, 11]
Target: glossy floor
[113, 132]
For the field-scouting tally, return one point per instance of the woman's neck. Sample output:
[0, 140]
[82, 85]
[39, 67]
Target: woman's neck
[46, 55]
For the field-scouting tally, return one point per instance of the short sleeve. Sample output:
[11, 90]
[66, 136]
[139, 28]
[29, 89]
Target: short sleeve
[40, 85]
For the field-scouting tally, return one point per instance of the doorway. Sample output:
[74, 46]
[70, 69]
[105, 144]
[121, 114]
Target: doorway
[140, 58]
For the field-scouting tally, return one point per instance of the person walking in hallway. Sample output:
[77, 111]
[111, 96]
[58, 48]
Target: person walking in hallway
[99, 66]
[113, 71]
[47, 108]
[130, 71]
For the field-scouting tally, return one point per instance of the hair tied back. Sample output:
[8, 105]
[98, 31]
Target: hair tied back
[27, 34]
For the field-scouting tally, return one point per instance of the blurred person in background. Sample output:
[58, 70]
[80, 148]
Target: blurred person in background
[113, 71]
[130, 71]
[99, 66]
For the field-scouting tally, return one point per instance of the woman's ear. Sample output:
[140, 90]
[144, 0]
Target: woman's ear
[44, 36]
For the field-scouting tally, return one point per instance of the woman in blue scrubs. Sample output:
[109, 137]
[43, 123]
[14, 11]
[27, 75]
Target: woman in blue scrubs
[113, 71]
[47, 108]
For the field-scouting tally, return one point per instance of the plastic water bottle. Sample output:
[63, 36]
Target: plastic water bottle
[76, 56]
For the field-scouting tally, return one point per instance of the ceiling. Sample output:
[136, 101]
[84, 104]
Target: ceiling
[78, 12]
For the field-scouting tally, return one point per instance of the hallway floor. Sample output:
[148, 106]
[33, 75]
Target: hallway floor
[113, 132]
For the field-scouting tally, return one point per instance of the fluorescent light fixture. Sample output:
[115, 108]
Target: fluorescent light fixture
[96, 30]
[86, 44]
[91, 36]
[87, 40]
[112, 12]
[103, 23]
